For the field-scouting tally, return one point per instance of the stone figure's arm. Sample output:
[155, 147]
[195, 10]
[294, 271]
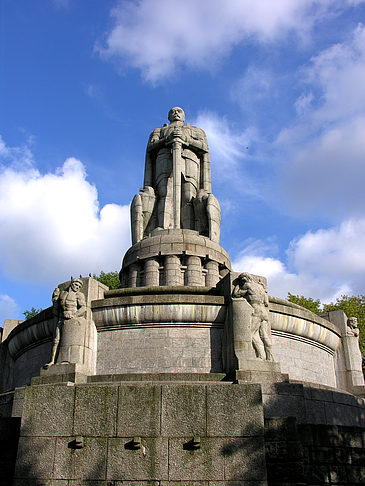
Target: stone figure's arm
[266, 299]
[238, 292]
[56, 303]
[81, 303]
[197, 139]
[156, 141]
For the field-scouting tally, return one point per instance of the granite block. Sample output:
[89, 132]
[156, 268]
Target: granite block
[139, 410]
[205, 463]
[48, 410]
[89, 462]
[234, 410]
[183, 410]
[150, 462]
[96, 410]
[35, 457]
[244, 459]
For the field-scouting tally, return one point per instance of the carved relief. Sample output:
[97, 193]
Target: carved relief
[69, 339]
[250, 304]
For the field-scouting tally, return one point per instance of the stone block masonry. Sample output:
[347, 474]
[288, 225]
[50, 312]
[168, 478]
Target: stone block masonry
[142, 433]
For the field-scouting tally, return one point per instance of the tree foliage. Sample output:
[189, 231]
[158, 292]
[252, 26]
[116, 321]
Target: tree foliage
[307, 302]
[31, 313]
[352, 306]
[111, 279]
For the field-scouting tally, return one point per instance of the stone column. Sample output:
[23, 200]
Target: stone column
[151, 274]
[173, 274]
[212, 277]
[133, 275]
[194, 276]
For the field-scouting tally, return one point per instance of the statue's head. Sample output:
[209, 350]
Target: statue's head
[244, 277]
[76, 284]
[176, 114]
[352, 322]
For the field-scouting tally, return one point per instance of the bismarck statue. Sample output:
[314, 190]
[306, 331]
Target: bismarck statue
[177, 183]
[175, 219]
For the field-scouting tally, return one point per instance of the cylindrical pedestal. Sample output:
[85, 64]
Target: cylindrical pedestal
[151, 274]
[173, 274]
[212, 277]
[133, 275]
[194, 276]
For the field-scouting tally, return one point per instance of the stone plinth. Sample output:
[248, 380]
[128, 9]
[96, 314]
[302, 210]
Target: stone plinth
[173, 257]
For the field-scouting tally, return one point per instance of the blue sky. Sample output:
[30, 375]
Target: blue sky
[279, 88]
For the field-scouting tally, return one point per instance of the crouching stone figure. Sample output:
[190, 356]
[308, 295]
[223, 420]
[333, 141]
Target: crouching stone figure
[250, 303]
[72, 329]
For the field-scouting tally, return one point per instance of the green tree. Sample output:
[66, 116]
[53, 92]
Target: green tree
[31, 313]
[307, 302]
[111, 279]
[353, 306]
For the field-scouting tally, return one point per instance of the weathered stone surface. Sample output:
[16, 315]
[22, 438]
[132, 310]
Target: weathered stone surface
[150, 462]
[48, 410]
[244, 459]
[183, 410]
[206, 463]
[96, 410]
[88, 463]
[35, 457]
[247, 419]
[139, 411]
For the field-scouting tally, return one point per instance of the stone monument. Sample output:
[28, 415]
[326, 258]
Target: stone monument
[188, 375]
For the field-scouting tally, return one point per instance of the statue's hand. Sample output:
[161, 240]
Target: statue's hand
[68, 315]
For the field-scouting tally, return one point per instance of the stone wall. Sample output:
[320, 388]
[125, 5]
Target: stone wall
[313, 455]
[142, 434]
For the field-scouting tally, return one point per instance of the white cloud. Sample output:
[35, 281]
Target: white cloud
[324, 264]
[229, 153]
[324, 172]
[157, 37]
[8, 308]
[52, 227]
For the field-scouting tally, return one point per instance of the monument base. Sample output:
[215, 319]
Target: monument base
[259, 371]
[62, 372]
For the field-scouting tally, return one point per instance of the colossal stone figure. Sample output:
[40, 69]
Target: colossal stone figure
[258, 324]
[177, 182]
[69, 308]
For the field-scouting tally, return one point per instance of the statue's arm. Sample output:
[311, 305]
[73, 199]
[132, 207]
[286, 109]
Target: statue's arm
[197, 139]
[81, 304]
[238, 292]
[156, 141]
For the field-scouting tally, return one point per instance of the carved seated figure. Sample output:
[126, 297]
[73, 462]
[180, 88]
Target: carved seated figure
[256, 295]
[69, 308]
[177, 182]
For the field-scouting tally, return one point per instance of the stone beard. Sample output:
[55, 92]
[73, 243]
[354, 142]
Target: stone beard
[177, 182]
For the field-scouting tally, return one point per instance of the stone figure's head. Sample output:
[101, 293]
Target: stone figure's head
[352, 322]
[76, 284]
[244, 277]
[176, 114]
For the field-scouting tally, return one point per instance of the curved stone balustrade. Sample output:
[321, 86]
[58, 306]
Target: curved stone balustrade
[30, 333]
[293, 319]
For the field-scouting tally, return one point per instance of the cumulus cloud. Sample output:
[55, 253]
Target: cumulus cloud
[8, 308]
[324, 264]
[52, 226]
[324, 173]
[157, 37]
[229, 153]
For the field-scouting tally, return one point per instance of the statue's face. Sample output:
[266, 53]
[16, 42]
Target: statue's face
[176, 114]
[76, 285]
[352, 322]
